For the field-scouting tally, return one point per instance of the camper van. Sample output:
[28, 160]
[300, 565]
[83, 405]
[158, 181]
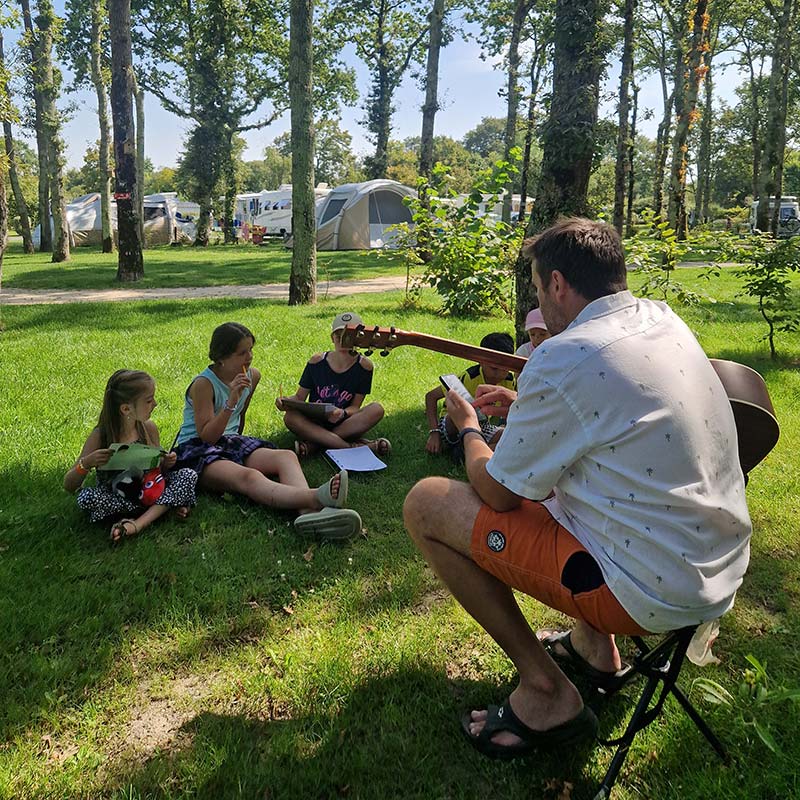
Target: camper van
[788, 216]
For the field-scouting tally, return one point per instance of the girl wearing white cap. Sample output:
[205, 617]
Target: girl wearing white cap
[343, 380]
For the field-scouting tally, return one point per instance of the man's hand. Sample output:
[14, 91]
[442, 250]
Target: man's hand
[494, 401]
[461, 413]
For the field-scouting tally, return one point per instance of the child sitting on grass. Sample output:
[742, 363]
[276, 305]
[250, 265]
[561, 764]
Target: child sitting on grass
[537, 332]
[442, 431]
[343, 380]
[211, 442]
[128, 402]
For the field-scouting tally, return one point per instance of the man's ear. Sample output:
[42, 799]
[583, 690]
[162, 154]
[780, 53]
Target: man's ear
[558, 282]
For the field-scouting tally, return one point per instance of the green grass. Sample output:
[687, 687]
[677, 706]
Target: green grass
[223, 657]
[167, 267]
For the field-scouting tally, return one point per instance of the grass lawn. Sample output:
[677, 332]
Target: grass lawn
[167, 267]
[223, 657]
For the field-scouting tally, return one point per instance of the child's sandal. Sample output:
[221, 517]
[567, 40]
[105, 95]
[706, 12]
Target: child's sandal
[118, 531]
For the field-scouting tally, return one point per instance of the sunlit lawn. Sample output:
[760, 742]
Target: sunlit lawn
[164, 267]
[223, 657]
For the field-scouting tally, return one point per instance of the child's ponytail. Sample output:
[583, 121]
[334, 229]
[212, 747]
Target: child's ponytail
[124, 386]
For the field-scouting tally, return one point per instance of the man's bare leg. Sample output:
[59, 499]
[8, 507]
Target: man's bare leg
[544, 696]
[598, 649]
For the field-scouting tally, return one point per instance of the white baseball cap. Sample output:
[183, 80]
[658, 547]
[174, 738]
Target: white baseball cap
[345, 319]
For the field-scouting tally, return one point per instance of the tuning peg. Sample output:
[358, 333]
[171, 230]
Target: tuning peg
[353, 352]
[368, 352]
[384, 352]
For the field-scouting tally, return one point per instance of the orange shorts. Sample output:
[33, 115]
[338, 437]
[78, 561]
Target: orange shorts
[528, 550]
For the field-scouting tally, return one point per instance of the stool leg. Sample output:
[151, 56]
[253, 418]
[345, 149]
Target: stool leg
[701, 723]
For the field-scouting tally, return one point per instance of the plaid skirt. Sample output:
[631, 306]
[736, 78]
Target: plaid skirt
[197, 454]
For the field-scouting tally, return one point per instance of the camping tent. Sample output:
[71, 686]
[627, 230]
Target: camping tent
[355, 216]
[166, 219]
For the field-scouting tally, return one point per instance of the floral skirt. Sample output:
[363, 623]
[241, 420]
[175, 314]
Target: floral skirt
[101, 502]
[195, 454]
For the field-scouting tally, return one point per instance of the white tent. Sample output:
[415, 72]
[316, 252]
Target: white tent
[355, 216]
[166, 219]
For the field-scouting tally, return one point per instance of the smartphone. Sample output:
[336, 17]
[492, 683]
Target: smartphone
[453, 382]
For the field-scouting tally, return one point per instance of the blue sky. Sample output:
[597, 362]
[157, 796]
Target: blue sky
[468, 89]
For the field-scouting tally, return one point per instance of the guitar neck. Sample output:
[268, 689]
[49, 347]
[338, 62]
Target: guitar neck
[388, 338]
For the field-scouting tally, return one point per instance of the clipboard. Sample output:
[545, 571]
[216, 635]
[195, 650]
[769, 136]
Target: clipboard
[316, 411]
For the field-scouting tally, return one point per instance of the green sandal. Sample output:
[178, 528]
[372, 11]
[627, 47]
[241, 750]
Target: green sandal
[330, 524]
[325, 494]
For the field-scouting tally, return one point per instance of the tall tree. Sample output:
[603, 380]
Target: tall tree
[130, 263]
[687, 86]
[771, 166]
[303, 277]
[436, 21]
[42, 144]
[656, 39]
[631, 162]
[623, 140]
[86, 50]
[568, 135]
[388, 37]
[49, 80]
[8, 113]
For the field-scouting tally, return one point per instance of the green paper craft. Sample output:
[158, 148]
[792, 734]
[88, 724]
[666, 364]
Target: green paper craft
[133, 456]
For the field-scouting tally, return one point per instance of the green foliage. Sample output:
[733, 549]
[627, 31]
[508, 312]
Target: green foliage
[657, 250]
[750, 704]
[465, 255]
[768, 265]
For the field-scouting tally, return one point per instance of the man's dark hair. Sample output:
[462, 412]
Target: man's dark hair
[587, 253]
[502, 342]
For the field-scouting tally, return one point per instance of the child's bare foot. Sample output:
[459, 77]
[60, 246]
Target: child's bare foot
[183, 512]
[123, 528]
[381, 447]
[303, 448]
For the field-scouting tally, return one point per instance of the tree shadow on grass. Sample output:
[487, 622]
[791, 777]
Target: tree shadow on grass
[394, 735]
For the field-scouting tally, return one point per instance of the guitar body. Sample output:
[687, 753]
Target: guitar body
[756, 425]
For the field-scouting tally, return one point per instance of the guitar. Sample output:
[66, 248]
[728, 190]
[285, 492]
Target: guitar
[756, 424]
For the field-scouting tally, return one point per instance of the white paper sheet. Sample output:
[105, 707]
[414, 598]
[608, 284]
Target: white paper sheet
[356, 459]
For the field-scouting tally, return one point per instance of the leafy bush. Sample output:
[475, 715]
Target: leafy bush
[465, 255]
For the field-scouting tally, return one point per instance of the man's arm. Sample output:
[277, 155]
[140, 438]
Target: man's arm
[476, 454]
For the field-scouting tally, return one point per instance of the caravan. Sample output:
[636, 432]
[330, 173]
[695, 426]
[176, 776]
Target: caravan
[788, 216]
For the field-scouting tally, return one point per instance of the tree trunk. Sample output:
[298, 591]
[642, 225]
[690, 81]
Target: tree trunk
[431, 106]
[203, 221]
[521, 9]
[42, 145]
[303, 277]
[537, 65]
[662, 137]
[3, 225]
[131, 263]
[138, 97]
[626, 73]
[568, 136]
[13, 177]
[381, 119]
[231, 190]
[776, 122]
[631, 154]
[101, 90]
[52, 129]
[688, 78]
[702, 198]
[755, 123]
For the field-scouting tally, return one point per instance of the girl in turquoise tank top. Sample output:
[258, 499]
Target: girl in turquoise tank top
[211, 442]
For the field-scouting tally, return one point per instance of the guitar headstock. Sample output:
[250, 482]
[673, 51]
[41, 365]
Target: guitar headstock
[361, 337]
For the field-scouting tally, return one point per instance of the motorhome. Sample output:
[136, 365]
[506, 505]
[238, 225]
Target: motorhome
[788, 216]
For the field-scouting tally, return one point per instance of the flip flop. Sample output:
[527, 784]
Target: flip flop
[303, 449]
[330, 524]
[381, 446]
[325, 493]
[572, 658]
[503, 718]
[118, 532]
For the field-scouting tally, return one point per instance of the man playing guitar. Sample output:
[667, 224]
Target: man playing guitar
[615, 495]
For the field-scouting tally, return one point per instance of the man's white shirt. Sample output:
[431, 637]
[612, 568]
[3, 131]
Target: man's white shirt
[623, 417]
